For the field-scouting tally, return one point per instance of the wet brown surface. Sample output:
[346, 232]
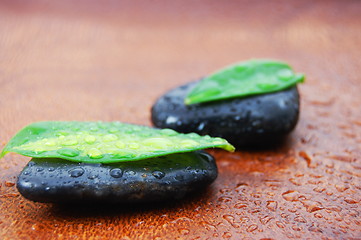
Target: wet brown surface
[110, 61]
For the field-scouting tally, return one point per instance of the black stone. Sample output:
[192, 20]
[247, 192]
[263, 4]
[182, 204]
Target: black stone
[258, 120]
[162, 178]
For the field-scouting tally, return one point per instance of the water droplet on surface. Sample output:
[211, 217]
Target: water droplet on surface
[94, 153]
[224, 199]
[252, 228]
[265, 219]
[109, 138]
[9, 184]
[168, 132]
[51, 169]
[306, 157]
[179, 178]
[183, 231]
[341, 187]
[227, 235]
[90, 139]
[133, 146]
[39, 169]
[158, 174]
[130, 172]
[76, 172]
[157, 142]
[312, 206]
[116, 172]
[280, 225]
[291, 195]
[69, 142]
[68, 152]
[300, 219]
[272, 205]
[188, 143]
[350, 200]
[240, 205]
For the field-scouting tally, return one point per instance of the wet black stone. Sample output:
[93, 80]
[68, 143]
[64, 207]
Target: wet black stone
[162, 178]
[259, 120]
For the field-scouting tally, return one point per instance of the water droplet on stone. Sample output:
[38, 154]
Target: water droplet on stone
[158, 174]
[130, 172]
[116, 173]
[76, 172]
[39, 169]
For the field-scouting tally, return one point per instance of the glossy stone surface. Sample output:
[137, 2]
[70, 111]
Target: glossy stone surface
[168, 177]
[251, 121]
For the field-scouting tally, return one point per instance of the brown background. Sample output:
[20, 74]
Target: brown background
[84, 60]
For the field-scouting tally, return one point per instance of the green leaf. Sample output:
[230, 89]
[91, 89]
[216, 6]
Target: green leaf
[244, 79]
[104, 142]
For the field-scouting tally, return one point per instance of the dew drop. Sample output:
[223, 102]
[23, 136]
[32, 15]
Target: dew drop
[157, 142]
[188, 143]
[76, 172]
[158, 174]
[285, 74]
[134, 146]
[69, 142]
[90, 139]
[116, 172]
[290, 196]
[266, 86]
[68, 152]
[168, 132]
[120, 144]
[51, 169]
[110, 138]
[94, 153]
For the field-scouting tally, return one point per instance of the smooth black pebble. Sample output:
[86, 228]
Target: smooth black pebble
[168, 177]
[259, 120]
